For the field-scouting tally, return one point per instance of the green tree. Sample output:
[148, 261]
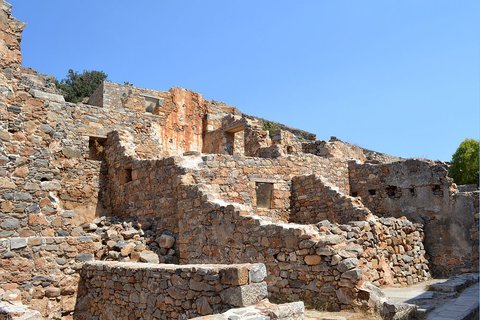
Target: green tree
[77, 86]
[464, 165]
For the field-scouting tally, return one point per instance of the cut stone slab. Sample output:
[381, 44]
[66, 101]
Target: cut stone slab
[246, 295]
[464, 307]
[47, 96]
[455, 283]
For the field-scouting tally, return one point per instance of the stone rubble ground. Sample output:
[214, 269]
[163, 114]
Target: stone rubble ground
[453, 298]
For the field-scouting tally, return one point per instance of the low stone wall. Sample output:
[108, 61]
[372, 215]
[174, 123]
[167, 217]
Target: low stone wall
[41, 272]
[391, 250]
[115, 290]
[314, 199]
[298, 257]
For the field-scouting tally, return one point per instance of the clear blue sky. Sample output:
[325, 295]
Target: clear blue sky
[396, 76]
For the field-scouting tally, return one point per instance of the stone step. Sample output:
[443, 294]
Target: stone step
[463, 307]
[455, 284]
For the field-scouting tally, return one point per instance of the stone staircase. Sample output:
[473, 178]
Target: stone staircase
[456, 298]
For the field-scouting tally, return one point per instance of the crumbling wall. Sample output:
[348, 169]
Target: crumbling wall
[421, 191]
[314, 199]
[235, 179]
[341, 149]
[211, 231]
[180, 113]
[10, 37]
[392, 250]
[42, 271]
[298, 258]
[53, 173]
[335, 148]
[112, 290]
[146, 190]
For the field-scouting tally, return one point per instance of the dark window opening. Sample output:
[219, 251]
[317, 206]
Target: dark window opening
[354, 194]
[96, 147]
[264, 194]
[289, 149]
[413, 192]
[126, 175]
[393, 192]
[437, 190]
[230, 142]
[151, 105]
[372, 192]
[44, 179]
[235, 142]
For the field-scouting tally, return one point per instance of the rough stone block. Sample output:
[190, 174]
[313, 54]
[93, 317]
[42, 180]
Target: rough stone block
[166, 241]
[245, 295]
[257, 273]
[149, 257]
[18, 243]
[234, 276]
[47, 96]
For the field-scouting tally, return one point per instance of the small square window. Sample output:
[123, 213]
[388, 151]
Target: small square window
[126, 175]
[264, 194]
[96, 148]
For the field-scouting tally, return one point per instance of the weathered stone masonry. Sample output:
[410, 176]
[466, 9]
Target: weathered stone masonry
[184, 179]
[153, 291]
[421, 191]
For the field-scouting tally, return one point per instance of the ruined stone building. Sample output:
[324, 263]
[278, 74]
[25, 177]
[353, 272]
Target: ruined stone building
[244, 208]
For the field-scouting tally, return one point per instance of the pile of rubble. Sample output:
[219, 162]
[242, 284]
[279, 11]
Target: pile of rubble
[132, 242]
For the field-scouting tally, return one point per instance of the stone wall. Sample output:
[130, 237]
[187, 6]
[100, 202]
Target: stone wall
[298, 257]
[144, 189]
[421, 191]
[10, 37]
[206, 185]
[391, 250]
[344, 150]
[42, 272]
[51, 175]
[211, 231]
[234, 179]
[314, 199]
[335, 148]
[113, 290]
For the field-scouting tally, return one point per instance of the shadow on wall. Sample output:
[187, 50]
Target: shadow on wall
[96, 152]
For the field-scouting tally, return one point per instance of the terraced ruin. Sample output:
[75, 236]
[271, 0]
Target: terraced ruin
[144, 204]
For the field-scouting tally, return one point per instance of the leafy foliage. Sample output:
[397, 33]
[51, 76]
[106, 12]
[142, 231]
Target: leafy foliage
[270, 126]
[464, 166]
[77, 86]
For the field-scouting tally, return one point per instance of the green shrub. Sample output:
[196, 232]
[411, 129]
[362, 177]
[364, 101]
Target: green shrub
[464, 165]
[77, 86]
